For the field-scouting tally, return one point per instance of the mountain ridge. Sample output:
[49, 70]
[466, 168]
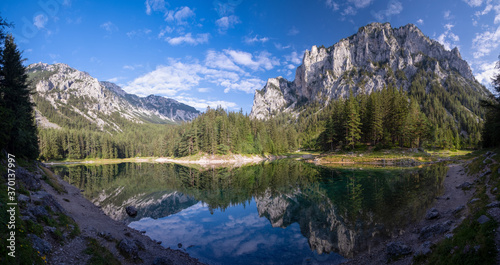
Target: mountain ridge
[376, 56]
[65, 93]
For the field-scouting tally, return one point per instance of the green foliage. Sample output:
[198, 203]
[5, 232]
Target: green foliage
[99, 254]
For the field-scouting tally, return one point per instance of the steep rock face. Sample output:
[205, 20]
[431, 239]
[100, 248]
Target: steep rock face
[71, 91]
[367, 61]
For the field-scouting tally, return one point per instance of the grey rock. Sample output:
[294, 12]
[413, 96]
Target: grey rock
[474, 200]
[49, 229]
[458, 209]
[106, 235]
[179, 245]
[432, 214]
[396, 249]
[487, 172]
[140, 245]
[424, 249]
[448, 235]
[465, 185]
[23, 198]
[162, 261]
[131, 211]
[129, 249]
[40, 245]
[495, 204]
[483, 219]
[435, 229]
[28, 178]
[38, 211]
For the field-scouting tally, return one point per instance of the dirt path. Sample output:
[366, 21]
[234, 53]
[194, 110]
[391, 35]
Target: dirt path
[92, 222]
[420, 236]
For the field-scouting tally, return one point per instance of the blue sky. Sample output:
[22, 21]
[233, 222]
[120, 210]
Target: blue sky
[219, 52]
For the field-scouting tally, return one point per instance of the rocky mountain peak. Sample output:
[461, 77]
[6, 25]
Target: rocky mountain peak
[368, 60]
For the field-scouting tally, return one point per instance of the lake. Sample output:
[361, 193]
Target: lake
[284, 212]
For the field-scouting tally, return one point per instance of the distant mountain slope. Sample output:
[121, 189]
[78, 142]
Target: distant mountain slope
[66, 96]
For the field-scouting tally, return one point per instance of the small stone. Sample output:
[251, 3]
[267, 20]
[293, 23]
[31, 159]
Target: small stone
[179, 245]
[483, 219]
[424, 249]
[23, 198]
[396, 249]
[131, 211]
[40, 245]
[465, 185]
[128, 249]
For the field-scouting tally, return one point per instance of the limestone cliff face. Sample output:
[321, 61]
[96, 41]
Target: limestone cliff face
[78, 92]
[367, 61]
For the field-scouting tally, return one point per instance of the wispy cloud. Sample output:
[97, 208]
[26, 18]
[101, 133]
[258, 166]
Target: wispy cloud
[474, 3]
[139, 33]
[394, 7]
[293, 58]
[262, 61]
[189, 39]
[40, 21]
[180, 15]
[448, 39]
[447, 15]
[109, 27]
[420, 21]
[332, 4]
[227, 22]
[256, 38]
[484, 43]
[486, 72]
[361, 3]
[293, 31]
[155, 5]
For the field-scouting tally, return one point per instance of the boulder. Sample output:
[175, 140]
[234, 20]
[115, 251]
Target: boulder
[131, 211]
[397, 249]
[432, 214]
[129, 249]
[424, 249]
[465, 185]
[458, 209]
[495, 204]
[483, 219]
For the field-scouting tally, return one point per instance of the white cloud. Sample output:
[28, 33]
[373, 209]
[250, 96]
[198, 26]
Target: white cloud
[154, 5]
[486, 42]
[40, 21]
[394, 7]
[474, 3]
[109, 27]
[246, 85]
[293, 58]
[486, 72]
[333, 5]
[420, 21]
[361, 3]
[180, 15]
[221, 61]
[225, 23]
[448, 39]
[349, 11]
[188, 38]
[138, 33]
[255, 39]
[262, 60]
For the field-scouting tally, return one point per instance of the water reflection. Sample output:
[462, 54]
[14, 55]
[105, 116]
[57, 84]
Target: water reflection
[283, 212]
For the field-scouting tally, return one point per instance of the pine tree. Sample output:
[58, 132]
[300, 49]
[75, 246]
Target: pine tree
[15, 96]
[353, 124]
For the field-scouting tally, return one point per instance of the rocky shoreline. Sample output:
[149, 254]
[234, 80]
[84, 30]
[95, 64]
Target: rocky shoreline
[66, 224]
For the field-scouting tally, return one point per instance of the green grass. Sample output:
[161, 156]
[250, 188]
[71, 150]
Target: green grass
[52, 180]
[99, 254]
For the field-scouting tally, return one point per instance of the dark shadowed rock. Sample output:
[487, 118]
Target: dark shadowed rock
[465, 185]
[106, 235]
[129, 249]
[432, 214]
[424, 249]
[131, 211]
[396, 249]
[28, 178]
[435, 229]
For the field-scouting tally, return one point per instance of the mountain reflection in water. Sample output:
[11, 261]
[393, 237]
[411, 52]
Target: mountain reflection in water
[312, 214]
